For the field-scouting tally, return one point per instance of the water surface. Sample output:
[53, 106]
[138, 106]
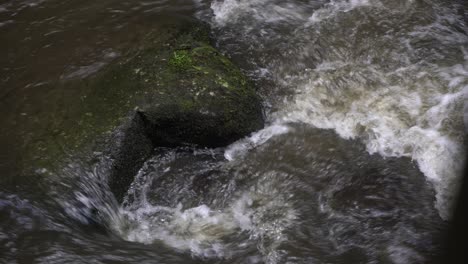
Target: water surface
[359, 160]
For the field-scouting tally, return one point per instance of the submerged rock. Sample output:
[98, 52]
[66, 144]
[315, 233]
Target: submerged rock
[174, 89]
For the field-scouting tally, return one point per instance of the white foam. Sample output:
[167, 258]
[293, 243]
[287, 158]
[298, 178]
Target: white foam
[202, 230]
[269, 11]
[392, 121]
[205, 230]
[258, 138]
[332, 8]
[403, 93]
[198, 229]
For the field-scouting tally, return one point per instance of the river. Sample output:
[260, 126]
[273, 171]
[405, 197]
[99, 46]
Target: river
[359, 160]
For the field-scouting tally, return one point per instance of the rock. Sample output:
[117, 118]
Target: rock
[129, 147]
[174, 89]
[190, 93]
[186, 93]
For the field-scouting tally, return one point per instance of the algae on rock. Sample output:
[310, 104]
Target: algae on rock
[174, 89]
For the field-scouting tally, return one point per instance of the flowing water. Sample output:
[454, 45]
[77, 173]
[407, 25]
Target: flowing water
[359, 161]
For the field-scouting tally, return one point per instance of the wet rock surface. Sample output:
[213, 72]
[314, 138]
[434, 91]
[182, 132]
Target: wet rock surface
[174, 90]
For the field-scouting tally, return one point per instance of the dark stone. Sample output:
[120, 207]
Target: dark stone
[186, 91]
[129, 147]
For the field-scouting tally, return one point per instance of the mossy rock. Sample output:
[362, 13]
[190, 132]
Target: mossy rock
[203, 98]
[187, 91]
[173, 89]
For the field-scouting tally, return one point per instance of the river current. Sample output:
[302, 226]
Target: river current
[359, 161]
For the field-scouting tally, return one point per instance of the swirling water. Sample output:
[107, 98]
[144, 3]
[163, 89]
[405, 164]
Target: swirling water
[358, 163]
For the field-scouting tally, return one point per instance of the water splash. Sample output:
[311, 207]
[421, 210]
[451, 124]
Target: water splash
[258, 138]
[391, 74]
[212, 223]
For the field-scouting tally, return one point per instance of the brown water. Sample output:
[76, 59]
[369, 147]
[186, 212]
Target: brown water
[340, 80]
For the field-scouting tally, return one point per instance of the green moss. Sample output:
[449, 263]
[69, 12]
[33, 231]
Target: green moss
[181, 60]
[183, 71]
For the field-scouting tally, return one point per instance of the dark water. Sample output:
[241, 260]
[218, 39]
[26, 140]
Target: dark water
[358, 163]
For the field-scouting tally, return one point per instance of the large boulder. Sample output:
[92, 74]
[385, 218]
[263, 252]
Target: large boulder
[189, 93]
[173, 89]
[184, 92]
